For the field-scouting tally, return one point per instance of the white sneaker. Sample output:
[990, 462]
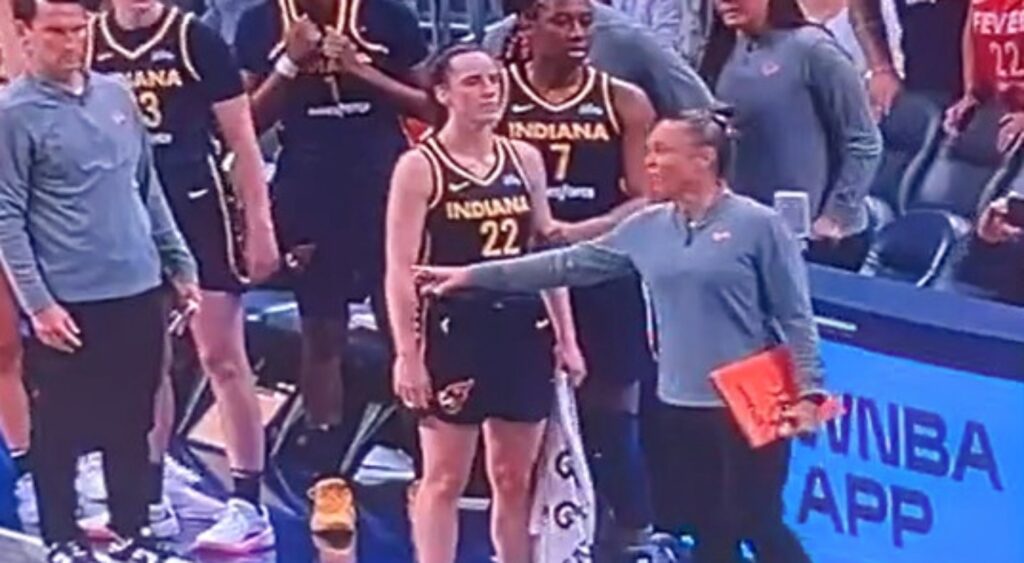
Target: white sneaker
[192, 504]
[174, 471]
[90, 483]
[242, 529]
[25, 494]
[163, 523]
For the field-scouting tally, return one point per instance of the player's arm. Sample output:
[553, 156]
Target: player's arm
[410, 98]
[234, 117]
[268, 84]
[636, 117]
[12, 60]
[408, 203]
[883, 82]
[555, 300]
[967, 49]
[221, 82]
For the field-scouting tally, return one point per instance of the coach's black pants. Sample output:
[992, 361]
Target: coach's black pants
[714, 485]
[101, 394]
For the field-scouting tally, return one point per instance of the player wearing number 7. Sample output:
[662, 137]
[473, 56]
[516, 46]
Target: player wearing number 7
[993, 57]
[190, 95]
[591, 129]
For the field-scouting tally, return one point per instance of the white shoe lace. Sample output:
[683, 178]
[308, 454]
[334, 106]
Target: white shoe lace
[173, 469]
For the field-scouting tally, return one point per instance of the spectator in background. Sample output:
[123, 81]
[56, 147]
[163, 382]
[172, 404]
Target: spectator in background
[11, 58]
[224, 15]
[932, 57]
[992, 70]
[624, 49]
[835, 16]
[663, 17]
[784, 75]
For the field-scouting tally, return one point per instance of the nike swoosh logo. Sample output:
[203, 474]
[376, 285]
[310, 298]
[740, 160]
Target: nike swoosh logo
[458, 187]
[104, 57]
[196, 194]
[521, 108]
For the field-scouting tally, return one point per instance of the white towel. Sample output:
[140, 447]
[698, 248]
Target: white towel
[563, 517]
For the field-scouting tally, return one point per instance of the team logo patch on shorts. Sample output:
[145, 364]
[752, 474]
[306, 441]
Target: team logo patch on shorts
[453, 397]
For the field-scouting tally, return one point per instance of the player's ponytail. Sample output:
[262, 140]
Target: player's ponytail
[712, 127]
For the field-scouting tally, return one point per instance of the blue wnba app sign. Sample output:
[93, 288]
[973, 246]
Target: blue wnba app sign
[927, 465]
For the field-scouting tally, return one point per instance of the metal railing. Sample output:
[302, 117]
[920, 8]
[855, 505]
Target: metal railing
[451, 20]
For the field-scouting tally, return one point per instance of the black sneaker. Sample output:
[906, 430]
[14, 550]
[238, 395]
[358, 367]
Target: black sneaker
[143, 551]
[70, 552]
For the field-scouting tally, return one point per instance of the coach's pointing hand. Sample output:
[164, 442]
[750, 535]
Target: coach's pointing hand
[439, 280]
[55, 328]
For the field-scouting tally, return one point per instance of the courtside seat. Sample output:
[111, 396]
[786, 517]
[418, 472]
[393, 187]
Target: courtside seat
[914, 247]
[964, 170]
[911, 135]
[939, 210]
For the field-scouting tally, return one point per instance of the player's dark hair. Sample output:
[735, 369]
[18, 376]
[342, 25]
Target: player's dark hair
[438, 69]
[782, 14]
[516, 48]
[713, 128]
[25, 10]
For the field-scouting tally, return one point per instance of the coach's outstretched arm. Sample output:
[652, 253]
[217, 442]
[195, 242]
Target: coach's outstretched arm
[585, 263]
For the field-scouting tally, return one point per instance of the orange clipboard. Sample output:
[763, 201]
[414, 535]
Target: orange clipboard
[759, 388]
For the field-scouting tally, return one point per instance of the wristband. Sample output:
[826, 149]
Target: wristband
[286, 67]
[873, 72]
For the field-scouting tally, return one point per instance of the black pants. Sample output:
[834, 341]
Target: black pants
[714, 485]
[101, 394]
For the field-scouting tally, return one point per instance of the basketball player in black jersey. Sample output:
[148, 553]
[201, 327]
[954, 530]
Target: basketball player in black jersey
[190, 94]
[591, 129]
[335, 76]
[482, 360]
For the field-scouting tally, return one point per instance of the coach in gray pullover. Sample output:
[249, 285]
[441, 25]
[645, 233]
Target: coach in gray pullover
[82, 215]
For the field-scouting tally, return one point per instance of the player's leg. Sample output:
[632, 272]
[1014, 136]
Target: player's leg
[218, 330]
[611, 328]
[512, 449]
[14, 408]
[448, 452]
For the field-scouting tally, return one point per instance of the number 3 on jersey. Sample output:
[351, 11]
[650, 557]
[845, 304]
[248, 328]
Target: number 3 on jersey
[500, 238]
[149, 106]
[563, 152]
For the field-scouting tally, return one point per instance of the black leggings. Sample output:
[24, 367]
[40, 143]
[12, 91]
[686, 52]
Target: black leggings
[101, 394]
[713, 484]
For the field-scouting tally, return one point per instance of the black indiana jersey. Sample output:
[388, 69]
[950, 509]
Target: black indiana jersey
[580, 139]
[472, 218]
[162, 74]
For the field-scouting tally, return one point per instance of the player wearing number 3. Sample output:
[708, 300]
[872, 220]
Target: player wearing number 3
[993, 53]
[591, 129]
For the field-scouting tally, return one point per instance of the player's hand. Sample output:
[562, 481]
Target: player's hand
[959, 114]
[302, 41]
[411, 382]
[826, 228]
[801, 418]
[1011, 126]
[993, 225]
[343, 53]
[188, 295]
[883, 88]
[569, 360]
[435, 281]
[298, 258]
[262, 256]
[55, 328]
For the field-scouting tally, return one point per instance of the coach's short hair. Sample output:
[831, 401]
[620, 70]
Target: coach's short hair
[25, 10]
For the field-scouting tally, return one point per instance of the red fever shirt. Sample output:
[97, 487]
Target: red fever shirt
[997, 36]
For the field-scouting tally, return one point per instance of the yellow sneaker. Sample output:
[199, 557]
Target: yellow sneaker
[334, 509]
